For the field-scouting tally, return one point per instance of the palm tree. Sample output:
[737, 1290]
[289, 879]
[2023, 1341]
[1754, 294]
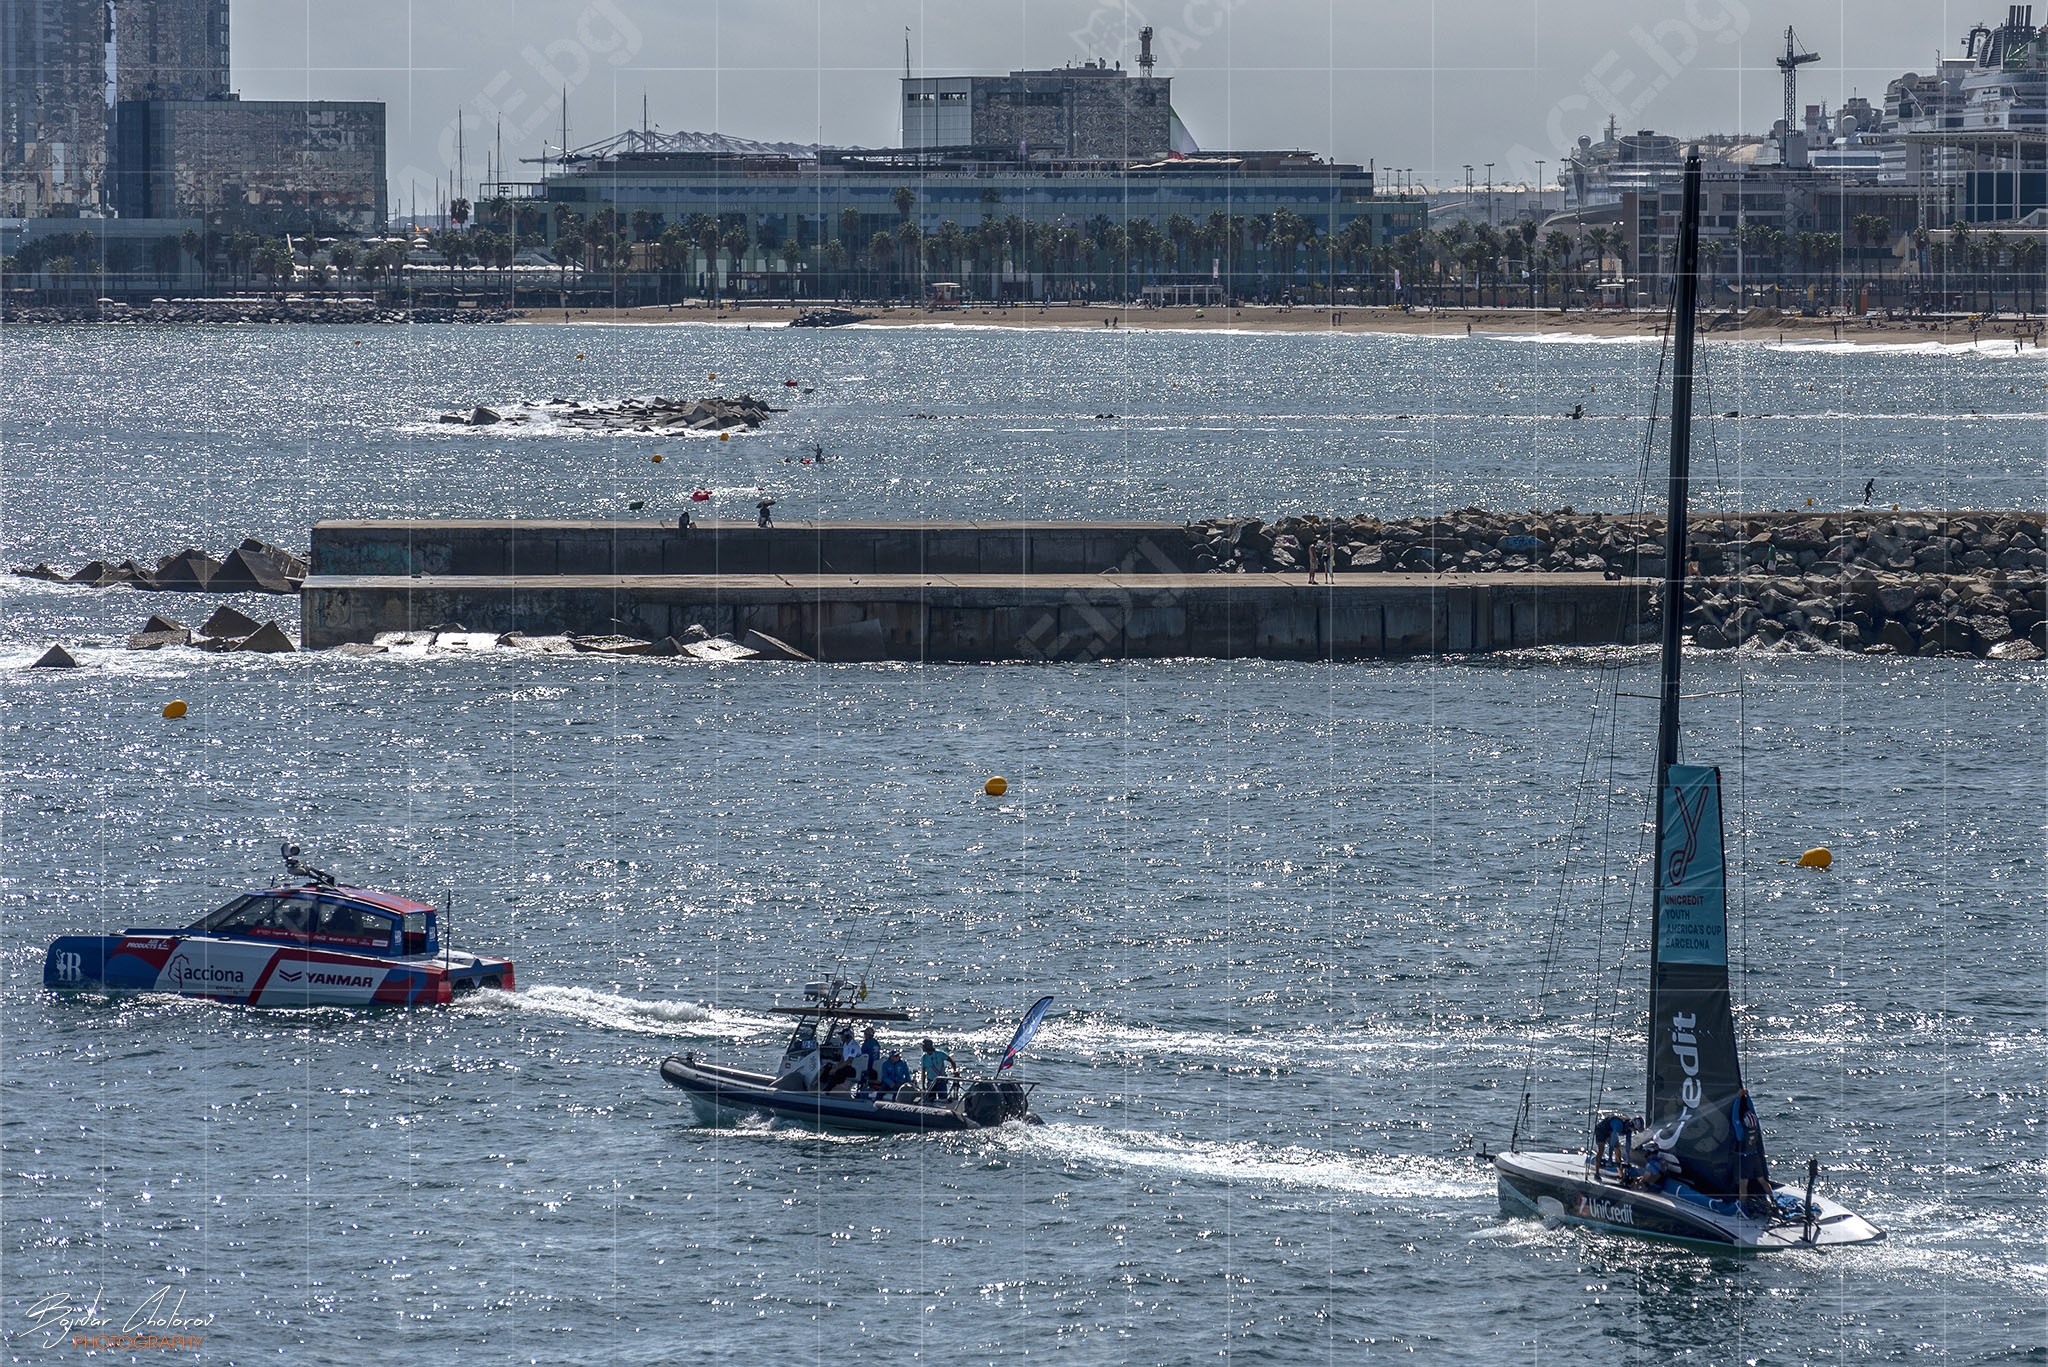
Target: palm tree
[2026, 257]
[905, 200]
[736, 240]
[458, 212]
[707, 243]
[274, 261]
[835, 262]
[164, 254]
[791, 251]
[672, 254]
[880, 248]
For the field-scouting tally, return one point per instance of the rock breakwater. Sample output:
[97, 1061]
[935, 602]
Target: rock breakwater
[715, 413]
[252, 567]
[1962, 583]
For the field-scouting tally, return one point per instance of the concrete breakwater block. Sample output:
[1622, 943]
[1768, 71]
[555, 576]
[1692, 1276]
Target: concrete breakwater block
[253, 567]
[268, 639]
[719, 651]
[227, 622]
[769, 648]
[157, 640]
[56, 657]
[854, 642]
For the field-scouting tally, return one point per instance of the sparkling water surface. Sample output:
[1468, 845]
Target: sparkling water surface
[1295, 915]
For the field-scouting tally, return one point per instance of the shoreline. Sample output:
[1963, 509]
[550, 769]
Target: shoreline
[1483, 323]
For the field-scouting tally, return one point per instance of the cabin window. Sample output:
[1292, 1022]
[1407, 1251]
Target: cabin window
[352, 925]
[214, 920]
[247, 914]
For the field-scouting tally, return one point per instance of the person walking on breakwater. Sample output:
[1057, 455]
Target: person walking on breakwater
[1869, 488]
[766, 519]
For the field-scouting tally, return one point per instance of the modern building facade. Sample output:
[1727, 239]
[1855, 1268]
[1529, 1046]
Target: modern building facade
[1090, 112]
[1076, 182]
[273, 164]
[170, 49]
[53, 107]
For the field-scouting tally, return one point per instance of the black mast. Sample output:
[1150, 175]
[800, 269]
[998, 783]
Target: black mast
[1674, 552]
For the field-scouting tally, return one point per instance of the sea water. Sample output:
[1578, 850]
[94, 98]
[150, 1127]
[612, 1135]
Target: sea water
[1304, 923]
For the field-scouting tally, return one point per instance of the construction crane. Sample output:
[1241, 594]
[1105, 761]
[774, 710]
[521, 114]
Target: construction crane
[1790, 64]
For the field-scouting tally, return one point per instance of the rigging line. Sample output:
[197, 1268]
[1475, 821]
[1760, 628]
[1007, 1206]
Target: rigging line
[1555, 934]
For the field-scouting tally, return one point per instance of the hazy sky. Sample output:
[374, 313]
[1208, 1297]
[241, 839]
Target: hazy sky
[1414, 84]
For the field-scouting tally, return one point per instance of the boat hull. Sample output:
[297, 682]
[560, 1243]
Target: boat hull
[725, 1096]
[1561, 1187]
[259, 973]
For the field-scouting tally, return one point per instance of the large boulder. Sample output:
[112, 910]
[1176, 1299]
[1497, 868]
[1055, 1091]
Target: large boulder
[41, 570]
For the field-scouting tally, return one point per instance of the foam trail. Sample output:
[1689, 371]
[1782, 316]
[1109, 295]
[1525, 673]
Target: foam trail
[610, 1011]
[1397, 1177]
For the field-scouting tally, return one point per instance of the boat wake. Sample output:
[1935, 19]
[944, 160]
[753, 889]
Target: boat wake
[1250, 1163]
[612, 1012]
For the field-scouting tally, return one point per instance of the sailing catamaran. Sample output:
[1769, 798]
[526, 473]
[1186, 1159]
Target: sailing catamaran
[1697, 1110]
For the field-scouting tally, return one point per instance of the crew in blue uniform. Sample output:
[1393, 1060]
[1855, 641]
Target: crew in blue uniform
[1749, 1145]
[895, 1073]
[1615, 1137]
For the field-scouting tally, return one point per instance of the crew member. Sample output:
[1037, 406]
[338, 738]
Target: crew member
[938, 1067]
[1749, 1145]
[1615, 1137]
[870, 1063]
[895, 1073]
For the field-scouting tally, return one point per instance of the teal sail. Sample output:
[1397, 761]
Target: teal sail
[1695, 1070]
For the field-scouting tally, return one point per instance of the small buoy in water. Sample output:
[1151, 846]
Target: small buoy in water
[655, 459]
[1809, 503]
[174, 709]
[579, 355]
[714, 374]
[996, 787]
[725, 436]
[1819, 857]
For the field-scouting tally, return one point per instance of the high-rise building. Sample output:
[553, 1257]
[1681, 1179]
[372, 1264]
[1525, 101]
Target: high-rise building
[1091, 112]
[280, 165]
[53, 106]
[170, 49]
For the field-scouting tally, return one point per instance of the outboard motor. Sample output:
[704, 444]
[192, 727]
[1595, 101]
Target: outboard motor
[982, 1103]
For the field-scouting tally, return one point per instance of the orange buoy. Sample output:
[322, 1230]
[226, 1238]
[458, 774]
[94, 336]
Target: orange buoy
[1819, 857]
[725, 436]
[174, 709]
[996, 786]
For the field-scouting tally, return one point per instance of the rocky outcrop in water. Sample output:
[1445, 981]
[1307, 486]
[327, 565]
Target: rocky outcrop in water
[252, 567]
[828, 318]
[713, 414]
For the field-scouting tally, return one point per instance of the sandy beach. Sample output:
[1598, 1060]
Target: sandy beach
[1578, 323]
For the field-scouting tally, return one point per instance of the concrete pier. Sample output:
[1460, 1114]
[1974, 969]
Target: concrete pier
[1116, 595]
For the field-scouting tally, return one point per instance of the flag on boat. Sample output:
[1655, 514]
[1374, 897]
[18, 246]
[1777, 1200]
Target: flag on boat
[1026, 1028]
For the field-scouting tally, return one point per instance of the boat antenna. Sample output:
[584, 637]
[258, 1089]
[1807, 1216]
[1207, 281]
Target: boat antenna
[1674, 556]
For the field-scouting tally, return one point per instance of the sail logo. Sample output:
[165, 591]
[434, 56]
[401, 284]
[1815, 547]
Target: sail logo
[1609, 1212]
[1685, 1048]
[70, 968]
[1679, 862]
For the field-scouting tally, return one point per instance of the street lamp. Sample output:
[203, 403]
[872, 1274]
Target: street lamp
[1539, 191]
[1489, 193]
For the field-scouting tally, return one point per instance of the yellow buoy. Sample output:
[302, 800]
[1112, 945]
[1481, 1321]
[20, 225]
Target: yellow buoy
[714, 374]
[725, 436]
[655, 459]
[996, 787]
[579, 355]
[174, 709]
[1819, 857]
